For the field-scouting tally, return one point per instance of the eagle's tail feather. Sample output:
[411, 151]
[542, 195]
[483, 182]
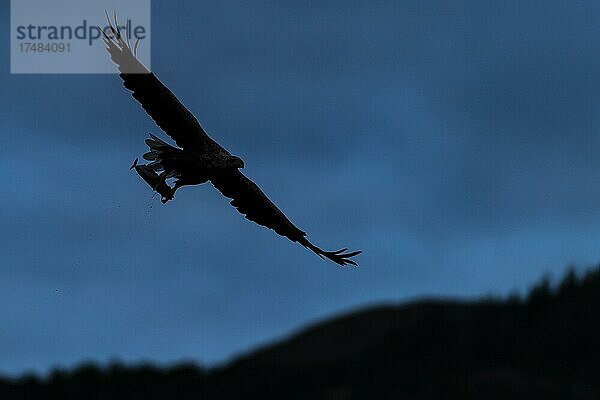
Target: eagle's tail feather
[164, 157]
[340, 257]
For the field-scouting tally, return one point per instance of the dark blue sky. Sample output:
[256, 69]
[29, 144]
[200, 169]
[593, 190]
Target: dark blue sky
[455, 143]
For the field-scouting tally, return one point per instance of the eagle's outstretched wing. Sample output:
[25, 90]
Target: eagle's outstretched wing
[158, 101]
[256, 206]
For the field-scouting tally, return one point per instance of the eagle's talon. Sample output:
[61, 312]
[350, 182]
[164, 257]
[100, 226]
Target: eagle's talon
[165, 199]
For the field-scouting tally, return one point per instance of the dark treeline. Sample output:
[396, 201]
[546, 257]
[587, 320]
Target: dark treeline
[543, 346]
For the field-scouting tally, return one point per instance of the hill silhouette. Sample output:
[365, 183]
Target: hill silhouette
[544, 346]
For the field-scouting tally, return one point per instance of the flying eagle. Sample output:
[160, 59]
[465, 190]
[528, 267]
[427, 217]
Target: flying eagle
[198, 159]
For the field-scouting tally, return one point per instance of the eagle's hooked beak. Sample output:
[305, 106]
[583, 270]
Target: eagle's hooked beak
[238, 162]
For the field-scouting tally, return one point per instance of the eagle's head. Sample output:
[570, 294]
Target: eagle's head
[235, 162]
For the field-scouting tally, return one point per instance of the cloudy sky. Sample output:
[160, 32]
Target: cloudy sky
[455, 143]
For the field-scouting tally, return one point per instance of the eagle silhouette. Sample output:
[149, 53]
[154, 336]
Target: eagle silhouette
[198, 159]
